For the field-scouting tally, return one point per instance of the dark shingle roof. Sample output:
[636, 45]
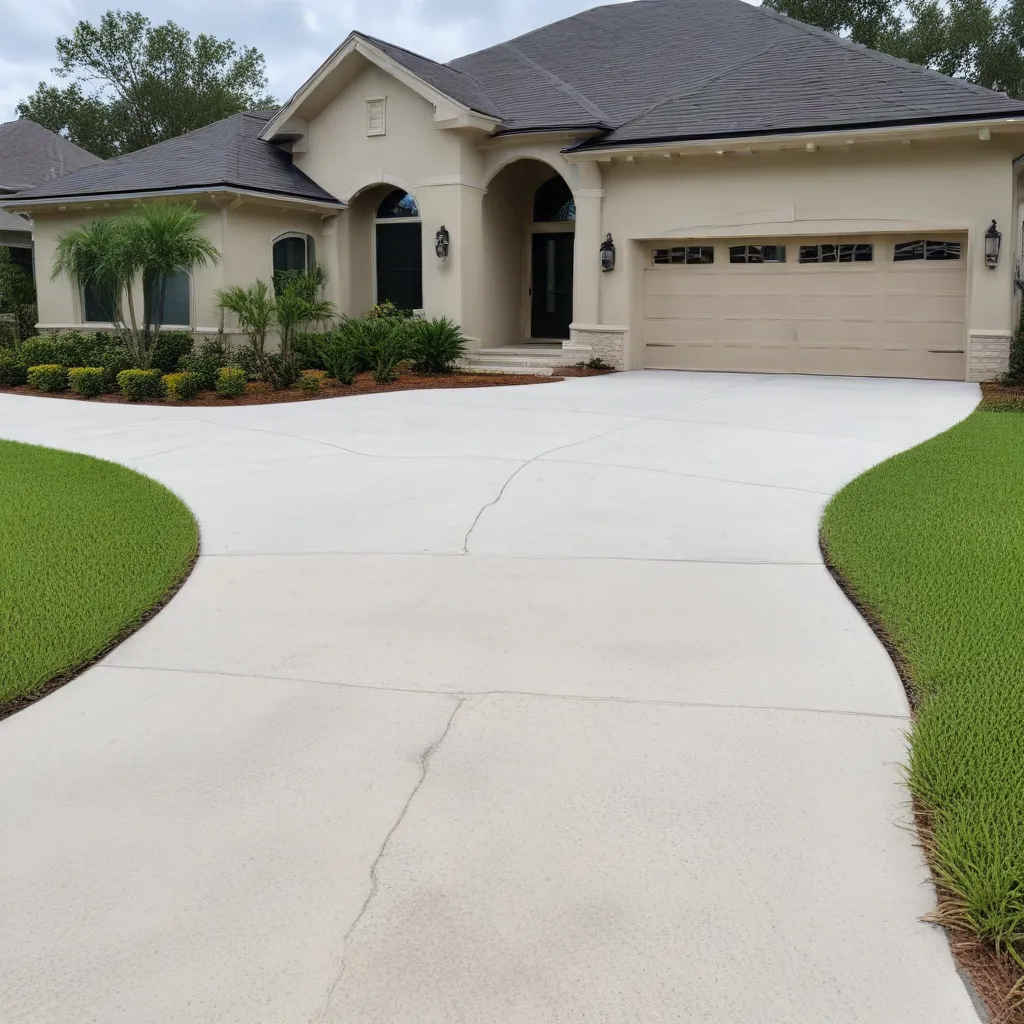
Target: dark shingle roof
[655, 70]
[227, 153]
[30, 155]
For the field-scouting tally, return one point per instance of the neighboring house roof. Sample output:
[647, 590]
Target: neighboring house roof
[12, 222]
[227, 153]
[30, 155]
[655, 70]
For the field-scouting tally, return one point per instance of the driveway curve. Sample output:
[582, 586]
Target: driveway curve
[528, 704]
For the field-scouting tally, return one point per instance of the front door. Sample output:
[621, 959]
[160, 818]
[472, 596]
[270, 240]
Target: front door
[400, 264]
[551, 305]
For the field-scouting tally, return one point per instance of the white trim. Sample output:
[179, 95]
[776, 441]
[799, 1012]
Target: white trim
[371, 110]
[127, 197]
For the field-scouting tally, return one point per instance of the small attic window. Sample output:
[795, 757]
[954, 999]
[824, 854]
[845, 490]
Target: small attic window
[375, 117]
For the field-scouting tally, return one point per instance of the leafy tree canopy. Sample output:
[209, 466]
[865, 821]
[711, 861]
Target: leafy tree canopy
[132, 84]
[979, 40]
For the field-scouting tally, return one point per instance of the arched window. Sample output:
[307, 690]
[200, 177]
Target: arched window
[168, 300]
[295, 252]
[553, 201]
[397, 204]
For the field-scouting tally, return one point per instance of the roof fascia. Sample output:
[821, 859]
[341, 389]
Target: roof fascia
[273, 198]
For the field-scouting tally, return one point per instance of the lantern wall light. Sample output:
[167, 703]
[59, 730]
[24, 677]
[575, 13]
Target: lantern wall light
[993, 241]
[442, 242]
[607, 254]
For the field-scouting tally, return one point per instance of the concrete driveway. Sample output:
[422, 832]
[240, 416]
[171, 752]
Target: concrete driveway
[527, 705]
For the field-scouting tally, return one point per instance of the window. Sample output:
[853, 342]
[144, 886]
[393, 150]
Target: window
[21, 256]
[553, 202]
[294, 252]
[375, 117]
[98, 304]
[921, 249]
[845, 252]
[177, 306]
[397, 204]
[685, 254]
[757, 254]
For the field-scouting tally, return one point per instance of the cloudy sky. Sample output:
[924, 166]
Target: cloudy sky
[294, 35]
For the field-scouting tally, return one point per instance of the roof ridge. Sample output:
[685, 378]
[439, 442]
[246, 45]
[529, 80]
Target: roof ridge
[557, 82]
[877, 55]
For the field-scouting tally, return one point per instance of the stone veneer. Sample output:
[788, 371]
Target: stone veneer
[596, 341]
[988, 356]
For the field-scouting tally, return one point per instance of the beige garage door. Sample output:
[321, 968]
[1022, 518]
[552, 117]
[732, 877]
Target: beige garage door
[881, 306]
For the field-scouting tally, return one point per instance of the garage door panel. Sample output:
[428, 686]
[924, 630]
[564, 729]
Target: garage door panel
[877, 319]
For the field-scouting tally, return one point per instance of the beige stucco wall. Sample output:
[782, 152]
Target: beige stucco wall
[885, 188]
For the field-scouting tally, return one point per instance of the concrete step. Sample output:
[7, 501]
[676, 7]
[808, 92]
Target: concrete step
[529, 351]
[536, 371]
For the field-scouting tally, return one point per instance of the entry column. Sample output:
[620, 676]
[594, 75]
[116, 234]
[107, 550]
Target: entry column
[586, 306]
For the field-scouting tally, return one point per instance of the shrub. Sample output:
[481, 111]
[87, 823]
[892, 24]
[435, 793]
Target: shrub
[13, 370]
[40, 349]
[388, 311]
[87, 381]
[205, 364]
[389, 349]
[169, 349]
[1014, 375]
[113, 360]
[437, 345]
[307, 348]
[311, 381]
[597, 363]
[137, 385]
[231, 381]
[182, 387]
[282, 370]
[341, 351]
[65, 348]
[48, 377]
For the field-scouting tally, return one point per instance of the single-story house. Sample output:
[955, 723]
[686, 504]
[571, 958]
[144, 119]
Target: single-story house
[31, 155]
[697, 184]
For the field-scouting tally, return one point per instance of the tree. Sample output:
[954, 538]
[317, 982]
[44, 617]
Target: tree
[133, 84]
[17, 300]
[152, 242]
[981, 41]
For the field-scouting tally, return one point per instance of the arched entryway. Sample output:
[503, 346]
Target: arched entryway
[529, 221]
[398, 251]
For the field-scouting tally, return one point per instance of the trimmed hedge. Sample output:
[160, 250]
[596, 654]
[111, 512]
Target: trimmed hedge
[137, 385]
[48, 377]
[87, 381]
[13, 369]
[231, 381]
[182, 387]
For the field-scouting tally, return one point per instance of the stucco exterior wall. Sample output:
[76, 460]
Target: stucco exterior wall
[846, 190]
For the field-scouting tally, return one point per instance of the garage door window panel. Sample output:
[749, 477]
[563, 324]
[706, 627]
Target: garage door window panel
[696, 255]
[843, 252]
[925, 249]
[757, 254]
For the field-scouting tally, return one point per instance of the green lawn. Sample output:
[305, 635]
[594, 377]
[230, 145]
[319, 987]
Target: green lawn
[932, 541]
[86, 547]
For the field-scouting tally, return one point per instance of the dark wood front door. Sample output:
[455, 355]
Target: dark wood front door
[551, 285]
[400, 264]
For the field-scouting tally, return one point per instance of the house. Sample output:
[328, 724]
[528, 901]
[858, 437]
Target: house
[31, 155]
[697, 184]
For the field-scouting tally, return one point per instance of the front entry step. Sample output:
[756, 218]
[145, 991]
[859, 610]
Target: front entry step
[536, 359]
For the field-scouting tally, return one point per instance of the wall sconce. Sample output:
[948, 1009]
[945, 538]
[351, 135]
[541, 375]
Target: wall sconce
[607, 254]
[442, 241]
[993, 240]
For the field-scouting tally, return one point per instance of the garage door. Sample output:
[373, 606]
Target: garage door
[885, 306]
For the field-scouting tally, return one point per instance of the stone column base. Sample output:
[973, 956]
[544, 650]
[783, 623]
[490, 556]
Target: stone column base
[597, 341]
[988, 355]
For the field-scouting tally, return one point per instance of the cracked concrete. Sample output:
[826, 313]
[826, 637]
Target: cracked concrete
[527, 704]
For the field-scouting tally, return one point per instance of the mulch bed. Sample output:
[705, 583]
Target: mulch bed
[261, 394]
[994, 978]
[1002, 397]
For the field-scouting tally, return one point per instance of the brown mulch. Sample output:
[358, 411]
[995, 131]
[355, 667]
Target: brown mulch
[993, 977]
[261, 394]
[1002, 397]
[581, 371]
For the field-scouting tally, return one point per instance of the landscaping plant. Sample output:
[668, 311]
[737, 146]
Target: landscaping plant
[48, 377]
[151, 243]
[138, 385]
[343, 351]
[207, 362]
[311, 381]
[389, 346]
[437, 345]
[254, 310]
[181, 387]
[87, 381]
[932, 544]
[18, 313]
[86, 549]
[231, 381]
[13, 370]
[170, 349]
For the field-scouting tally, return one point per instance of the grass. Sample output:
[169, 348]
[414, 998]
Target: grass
[87, 548]
[932, 543]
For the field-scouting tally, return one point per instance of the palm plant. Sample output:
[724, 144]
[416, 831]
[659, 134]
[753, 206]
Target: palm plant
[153, 241]
[255, 310]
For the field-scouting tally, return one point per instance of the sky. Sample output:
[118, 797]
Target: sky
[293, 35]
